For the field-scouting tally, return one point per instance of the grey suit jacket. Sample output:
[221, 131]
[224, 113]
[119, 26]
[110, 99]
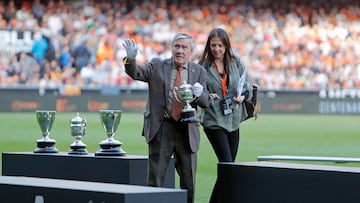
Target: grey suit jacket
[157, 74]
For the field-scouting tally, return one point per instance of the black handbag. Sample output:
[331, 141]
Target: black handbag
[251, 106]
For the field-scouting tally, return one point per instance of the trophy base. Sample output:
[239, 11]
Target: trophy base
[110, 152]
[188, 116]
[78, 150]
[110, 148]
[47, 146]
[46, 150]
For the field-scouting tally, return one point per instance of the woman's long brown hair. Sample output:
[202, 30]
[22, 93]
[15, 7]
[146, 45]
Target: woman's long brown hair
[207, 58]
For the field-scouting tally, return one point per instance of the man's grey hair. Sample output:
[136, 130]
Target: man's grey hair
[184, 36]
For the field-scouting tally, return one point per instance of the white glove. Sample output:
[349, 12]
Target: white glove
[197, 89]
[131, 48]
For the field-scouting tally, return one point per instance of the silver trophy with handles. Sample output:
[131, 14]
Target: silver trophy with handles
[77, 130]
[184, 94]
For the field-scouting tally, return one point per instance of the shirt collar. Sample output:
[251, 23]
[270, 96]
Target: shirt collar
[185, 66]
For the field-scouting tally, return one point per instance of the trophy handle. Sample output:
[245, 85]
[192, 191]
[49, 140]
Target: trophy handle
[175, 91]
[194, 98]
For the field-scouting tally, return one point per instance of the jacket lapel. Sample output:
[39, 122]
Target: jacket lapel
[167, 75]
[214, 74]
[191, 74]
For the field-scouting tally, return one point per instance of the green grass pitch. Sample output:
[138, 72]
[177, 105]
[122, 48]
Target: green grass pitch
[308, 135]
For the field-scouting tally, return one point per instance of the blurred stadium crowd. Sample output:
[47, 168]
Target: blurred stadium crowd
[298, 44]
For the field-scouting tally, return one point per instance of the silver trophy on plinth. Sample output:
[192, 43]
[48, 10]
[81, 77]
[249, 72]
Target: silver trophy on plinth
[110, 120]
[184, 94]
[77, 130]
[46, 120]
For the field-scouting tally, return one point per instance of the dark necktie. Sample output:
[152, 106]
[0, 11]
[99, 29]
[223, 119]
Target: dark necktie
[176, 105]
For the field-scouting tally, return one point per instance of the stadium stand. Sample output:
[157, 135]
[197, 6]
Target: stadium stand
[292, 45]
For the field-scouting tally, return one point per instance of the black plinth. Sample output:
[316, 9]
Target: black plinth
[259, 182]
[30, 189]
[129, 169]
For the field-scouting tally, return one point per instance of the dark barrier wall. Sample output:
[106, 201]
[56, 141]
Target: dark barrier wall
[325, 102]
[90, 100]
[275, 182]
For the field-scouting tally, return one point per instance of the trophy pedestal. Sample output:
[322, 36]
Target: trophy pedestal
[78, 148]
[110, 148]
[28, 189]
[189, 116]
[46, 146]
[274, 181]
[130, 169]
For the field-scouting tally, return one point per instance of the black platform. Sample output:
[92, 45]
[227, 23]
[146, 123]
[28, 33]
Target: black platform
[42, 190]
[128, 169]
[259, 182]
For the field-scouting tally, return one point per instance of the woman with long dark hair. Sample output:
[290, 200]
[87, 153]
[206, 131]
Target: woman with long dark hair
[228, 88]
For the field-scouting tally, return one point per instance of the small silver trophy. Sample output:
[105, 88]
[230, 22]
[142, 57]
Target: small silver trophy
[110, 120]
[46, 120]
[77, 129]
[184, 94]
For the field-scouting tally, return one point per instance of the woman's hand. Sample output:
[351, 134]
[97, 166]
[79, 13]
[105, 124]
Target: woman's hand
[213, 96]
[239, 99]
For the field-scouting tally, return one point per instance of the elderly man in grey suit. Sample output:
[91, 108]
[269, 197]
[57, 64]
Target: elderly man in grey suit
[165, 134]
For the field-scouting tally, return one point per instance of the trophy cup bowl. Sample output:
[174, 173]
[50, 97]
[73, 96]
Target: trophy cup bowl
[45, 120]
[184, 94]
[77, 130]
[110, 120]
